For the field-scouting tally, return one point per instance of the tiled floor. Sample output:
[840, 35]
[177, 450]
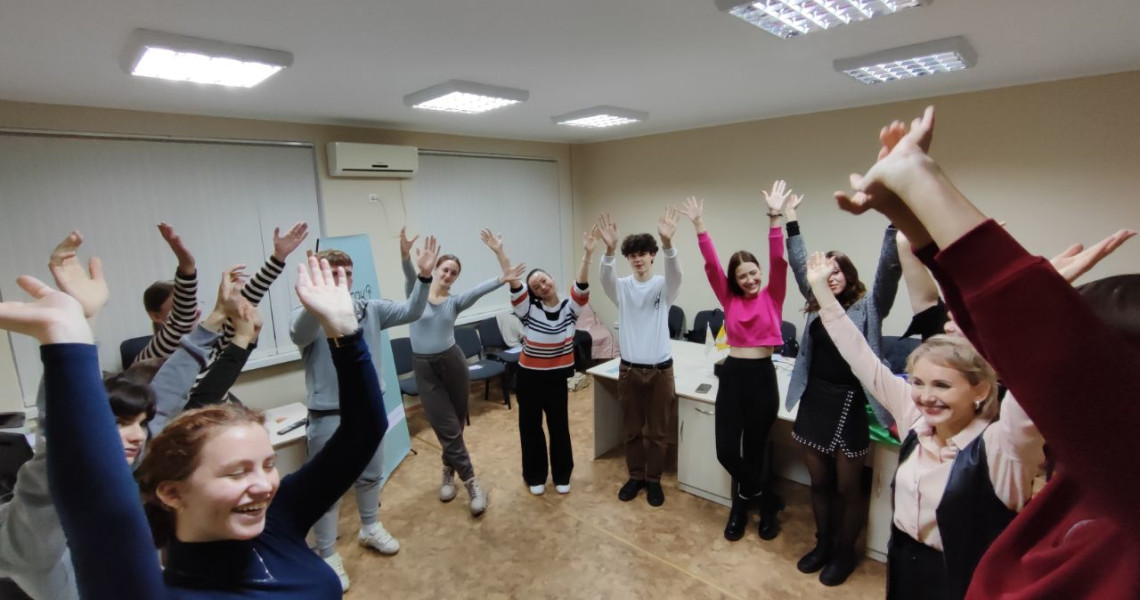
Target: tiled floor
[586, 544]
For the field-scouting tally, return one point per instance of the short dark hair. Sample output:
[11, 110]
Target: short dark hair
[1116, 301]
[129, 397]
[851, 293]
[638, 243]
[156, 294]
[336, 258]
[737, 259]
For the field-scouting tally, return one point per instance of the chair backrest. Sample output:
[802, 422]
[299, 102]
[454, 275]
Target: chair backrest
[14, 452]
[896, 350]
[129, 349]
[468, 340]
[490, 334]
[676, 322]
[705, 320]
[402, 355]
[788, 335]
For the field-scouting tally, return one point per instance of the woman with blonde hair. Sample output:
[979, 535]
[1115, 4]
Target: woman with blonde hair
[963, 473]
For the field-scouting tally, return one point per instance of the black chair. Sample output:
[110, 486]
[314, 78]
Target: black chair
[402, 355]
[129, 349]
[495, 348]
[481, 370]
[14, 452]
[676, 322]
[705, 320]
[896, 350]
[788, 334]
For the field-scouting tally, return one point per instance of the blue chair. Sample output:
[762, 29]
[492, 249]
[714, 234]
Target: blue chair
[495, 348]
[676, 322]
[482, 369]
[705, 320]
[129, 349]
[402, 355]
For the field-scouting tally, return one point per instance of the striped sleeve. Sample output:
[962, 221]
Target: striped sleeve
[253, 290]
[183, 315]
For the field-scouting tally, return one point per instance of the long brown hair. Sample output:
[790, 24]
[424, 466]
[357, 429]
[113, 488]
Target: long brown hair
[852, 292]
[173, 455]
[738, 258]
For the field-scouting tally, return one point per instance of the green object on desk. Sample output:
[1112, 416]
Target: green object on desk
[878, 432]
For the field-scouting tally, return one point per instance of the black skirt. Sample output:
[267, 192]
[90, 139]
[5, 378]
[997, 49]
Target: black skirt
[833, 417]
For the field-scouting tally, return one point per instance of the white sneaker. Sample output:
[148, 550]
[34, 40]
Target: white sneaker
[538, 490]
[480, 498]
[378, 538]
[337, 565]
[563, 489]
[447, 488]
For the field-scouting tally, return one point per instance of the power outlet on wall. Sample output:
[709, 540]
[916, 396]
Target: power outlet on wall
[374, 198]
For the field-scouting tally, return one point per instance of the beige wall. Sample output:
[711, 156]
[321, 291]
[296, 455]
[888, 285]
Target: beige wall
[346, 208]
[1059, 161]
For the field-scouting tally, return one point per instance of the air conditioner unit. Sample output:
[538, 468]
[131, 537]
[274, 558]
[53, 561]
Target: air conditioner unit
[347, 159]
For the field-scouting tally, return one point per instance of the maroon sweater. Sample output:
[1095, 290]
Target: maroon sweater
[1078, 380]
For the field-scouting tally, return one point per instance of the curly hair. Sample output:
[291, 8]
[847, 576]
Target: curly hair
[638, 243]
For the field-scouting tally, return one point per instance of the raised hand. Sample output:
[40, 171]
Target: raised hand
[693, 208]
[493, 240]
[53, 318]
[590, 239]
[1078, 260]
[790, 205]
[185, 259]
[326, 296]
[608, 231]
[819, 269]
[247, 323]
[514, 273]
[667, 225]
[902, 149]
[406, 244]
[229, 292]
[284, 245]
[425, 259]
[88, 287]
[777, 197]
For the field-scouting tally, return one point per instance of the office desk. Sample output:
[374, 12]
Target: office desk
[292, 451]
[698, 471]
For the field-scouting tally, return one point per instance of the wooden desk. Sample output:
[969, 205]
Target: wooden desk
[698, 471]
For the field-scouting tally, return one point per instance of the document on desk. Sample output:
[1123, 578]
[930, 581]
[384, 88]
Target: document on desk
[474, 367]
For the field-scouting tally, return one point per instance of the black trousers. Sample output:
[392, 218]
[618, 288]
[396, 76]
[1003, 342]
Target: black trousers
[746, 405]
[539, 393]
[914, 570]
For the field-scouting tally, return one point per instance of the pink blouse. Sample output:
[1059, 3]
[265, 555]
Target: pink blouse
[750, 322]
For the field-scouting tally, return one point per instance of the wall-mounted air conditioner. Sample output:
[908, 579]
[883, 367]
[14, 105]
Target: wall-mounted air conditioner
[347, 159]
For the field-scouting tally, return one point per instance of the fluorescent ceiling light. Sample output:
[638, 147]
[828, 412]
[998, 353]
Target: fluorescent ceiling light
[908, 62]
[601, 116]
[465, 97]
[183, 58]
[789, 18]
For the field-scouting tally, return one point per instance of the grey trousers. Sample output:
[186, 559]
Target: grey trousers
[367, 486]
[443, 381]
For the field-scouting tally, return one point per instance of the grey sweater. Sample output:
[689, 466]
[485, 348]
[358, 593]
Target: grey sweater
[867, 312]
[373, 316]
[434, 332]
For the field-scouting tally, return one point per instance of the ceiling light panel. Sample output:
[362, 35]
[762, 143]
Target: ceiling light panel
[182, 58]
[601, 117]
[465, 97]
[790, 18]
[910, 62]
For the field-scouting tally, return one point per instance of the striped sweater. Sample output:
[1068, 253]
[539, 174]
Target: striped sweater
[548, 338]
[183, 315]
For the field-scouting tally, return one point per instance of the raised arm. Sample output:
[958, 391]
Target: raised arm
[305, 495]
[891, 391]
[283, 245]
[406, 260]
[184, 308]
[920, 286]
[607, 272]
[224, 371]
[694, 209]
[666, 228]
[400, 313]
[887, 275]
[589, 243]
[1078, 260]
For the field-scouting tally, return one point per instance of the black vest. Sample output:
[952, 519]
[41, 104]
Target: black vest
[970, 515]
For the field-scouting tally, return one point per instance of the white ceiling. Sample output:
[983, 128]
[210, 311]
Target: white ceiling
[686, 63]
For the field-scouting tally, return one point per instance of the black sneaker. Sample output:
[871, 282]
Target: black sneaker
[654, 494]
[629, 490]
